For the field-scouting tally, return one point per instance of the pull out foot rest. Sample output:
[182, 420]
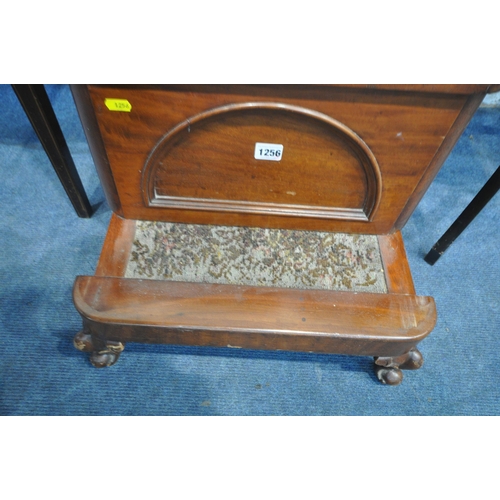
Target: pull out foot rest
[386, 324]
[264, 216]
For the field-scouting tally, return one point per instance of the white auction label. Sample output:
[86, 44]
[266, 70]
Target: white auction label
[270, 152]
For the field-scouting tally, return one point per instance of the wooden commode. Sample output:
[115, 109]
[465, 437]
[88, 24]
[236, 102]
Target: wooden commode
[264, 216]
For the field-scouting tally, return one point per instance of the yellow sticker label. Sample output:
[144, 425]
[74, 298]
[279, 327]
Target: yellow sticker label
[118, 105]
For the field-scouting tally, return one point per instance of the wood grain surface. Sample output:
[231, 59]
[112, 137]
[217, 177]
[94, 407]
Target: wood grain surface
[403, 128]
[253, 317]
[200, 164]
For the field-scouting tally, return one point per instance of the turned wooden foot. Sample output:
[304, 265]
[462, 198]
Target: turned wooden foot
[389, 376]
[106, 357]
[102, 354]
[388, 370]
[83, 342]
[414, 360]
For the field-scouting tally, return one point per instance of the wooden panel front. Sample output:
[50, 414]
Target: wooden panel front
[248, 158]
[352, 158]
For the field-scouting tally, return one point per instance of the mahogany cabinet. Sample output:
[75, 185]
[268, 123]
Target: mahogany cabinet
[264, 216]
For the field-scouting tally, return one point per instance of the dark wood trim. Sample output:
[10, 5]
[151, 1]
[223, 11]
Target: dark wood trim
[91, 128]
[463, 89]
[434, 88]
[38, 109]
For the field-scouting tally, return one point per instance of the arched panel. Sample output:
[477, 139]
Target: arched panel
[264, 158]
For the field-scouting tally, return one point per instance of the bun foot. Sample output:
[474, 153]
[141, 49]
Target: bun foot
[414, 360]
[83, 342]
[388, 370]
[102, 354]
[107, 356]
[389, 376]
[103, 359]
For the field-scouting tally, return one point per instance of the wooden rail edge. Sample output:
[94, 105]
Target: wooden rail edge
[243, 316]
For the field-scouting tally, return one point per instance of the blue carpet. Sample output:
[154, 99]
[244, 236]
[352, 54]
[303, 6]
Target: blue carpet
[44, 245]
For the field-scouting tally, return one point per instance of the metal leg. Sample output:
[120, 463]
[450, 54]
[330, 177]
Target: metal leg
[466, 217]
[37, 106]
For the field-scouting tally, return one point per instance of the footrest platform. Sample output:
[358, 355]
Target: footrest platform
[167, 312]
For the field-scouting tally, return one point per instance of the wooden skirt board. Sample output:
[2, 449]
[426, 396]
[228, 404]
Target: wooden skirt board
[348, 162]
[116, 310]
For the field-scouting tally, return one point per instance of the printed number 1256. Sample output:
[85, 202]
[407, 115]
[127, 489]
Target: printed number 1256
[270, 152]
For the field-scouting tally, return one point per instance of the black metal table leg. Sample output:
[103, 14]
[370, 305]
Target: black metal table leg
[37, 106]
[465, 218]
